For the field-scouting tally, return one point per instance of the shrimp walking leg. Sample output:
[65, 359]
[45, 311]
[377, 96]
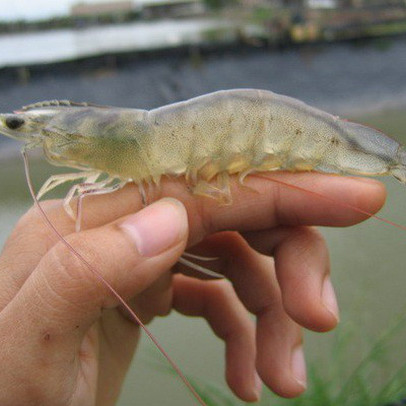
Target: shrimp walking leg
[199, 257]
[89, 184]
[199, 268]
[57, 180]
[86, 189]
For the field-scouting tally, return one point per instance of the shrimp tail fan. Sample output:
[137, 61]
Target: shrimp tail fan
[399, 169]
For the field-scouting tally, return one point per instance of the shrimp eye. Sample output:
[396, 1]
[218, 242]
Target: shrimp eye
[14, 122]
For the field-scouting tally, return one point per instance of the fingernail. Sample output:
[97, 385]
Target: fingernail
[258, 386]
[329, 298]
[298, 366]
[366, 180]
[157, 227]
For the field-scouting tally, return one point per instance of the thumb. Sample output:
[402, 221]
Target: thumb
[63, 298]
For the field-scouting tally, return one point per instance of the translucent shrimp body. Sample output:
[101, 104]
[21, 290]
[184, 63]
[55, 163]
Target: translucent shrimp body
[205, 138]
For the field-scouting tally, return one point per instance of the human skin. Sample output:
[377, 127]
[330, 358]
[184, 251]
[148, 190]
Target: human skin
[66, 341]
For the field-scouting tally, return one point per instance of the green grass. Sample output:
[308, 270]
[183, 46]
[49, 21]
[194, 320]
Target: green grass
[337, 381]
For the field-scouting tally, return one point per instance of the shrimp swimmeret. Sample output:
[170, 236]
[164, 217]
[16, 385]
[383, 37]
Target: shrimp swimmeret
[205, 139]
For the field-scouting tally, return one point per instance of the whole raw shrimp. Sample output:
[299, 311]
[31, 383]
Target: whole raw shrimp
[205, 138]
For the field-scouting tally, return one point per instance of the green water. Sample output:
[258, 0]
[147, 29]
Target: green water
[368, 269]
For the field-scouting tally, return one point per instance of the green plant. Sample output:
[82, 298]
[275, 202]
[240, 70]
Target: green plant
[338, 384]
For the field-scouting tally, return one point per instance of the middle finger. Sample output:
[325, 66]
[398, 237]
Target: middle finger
[257, 279]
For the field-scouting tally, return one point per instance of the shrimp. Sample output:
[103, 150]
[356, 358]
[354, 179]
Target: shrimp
[206, 140]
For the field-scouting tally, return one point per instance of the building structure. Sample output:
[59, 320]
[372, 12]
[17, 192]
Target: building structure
[146, 8]
[101, 7]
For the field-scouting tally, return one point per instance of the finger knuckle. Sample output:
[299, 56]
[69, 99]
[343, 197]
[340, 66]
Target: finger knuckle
[163, 309]
[32, 222]
[307, 238]
[315, 240]
[29, 236]
[316, 235]
[27, 220]
[223, 292]
[70, 266]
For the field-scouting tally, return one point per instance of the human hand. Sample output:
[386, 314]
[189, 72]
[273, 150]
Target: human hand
[65, 343]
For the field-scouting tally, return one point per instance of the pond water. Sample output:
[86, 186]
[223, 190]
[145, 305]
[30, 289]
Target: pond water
[70, 44]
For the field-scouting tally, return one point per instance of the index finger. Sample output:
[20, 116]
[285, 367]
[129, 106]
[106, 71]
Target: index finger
[264, 204]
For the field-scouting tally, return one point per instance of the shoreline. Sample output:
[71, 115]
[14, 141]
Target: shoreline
[193, 51]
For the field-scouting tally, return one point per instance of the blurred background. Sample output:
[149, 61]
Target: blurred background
[345, 56]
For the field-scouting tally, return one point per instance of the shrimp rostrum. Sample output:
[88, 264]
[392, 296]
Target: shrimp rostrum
[205, 139]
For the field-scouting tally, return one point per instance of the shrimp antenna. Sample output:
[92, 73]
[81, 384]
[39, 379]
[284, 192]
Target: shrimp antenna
[329, 199]
[91, 268]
